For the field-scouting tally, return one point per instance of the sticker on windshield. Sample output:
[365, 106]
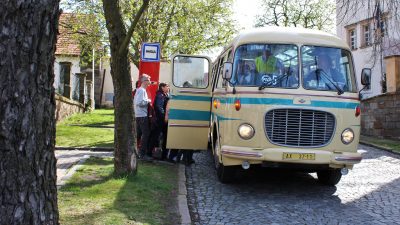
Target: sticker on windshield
[269, 79]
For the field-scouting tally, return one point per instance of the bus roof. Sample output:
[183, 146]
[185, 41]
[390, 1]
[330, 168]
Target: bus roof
[289, 35]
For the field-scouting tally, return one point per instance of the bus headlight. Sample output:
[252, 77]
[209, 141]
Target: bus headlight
[347, 136]
[246, 131]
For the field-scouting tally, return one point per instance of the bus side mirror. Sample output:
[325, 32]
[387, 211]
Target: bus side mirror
[227, 73]
[366, 76]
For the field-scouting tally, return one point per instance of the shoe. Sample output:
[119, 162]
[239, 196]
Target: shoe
[189, 162]
[171, 161]
[148, 158]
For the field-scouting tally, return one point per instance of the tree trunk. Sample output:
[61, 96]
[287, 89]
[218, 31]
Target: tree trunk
[28, 192]
[124, 142]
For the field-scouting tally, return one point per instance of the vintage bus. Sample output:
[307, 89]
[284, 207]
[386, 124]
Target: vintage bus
[276, 97]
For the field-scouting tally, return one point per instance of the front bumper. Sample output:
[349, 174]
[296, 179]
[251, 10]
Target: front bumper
[233, 155]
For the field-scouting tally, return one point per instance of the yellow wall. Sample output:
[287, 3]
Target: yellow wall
[393, 73]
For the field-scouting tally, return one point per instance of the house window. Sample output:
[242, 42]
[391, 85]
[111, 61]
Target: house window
[353, 39]
[65, 79]
[366, 35]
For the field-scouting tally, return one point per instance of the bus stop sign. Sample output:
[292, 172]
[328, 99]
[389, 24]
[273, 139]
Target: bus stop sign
[150, 52]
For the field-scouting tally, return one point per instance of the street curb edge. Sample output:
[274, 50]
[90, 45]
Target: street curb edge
[182, 197]
[379, 147]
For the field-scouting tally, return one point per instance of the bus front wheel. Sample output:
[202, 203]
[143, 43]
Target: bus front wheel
[225, 174]
[329, 177]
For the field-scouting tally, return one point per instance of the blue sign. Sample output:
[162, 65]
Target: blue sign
[150, 52]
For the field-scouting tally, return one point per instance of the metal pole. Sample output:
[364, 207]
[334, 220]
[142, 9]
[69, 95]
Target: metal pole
[92, 89]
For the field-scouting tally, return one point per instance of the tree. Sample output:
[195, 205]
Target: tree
[183, 26]
[124, 141]
[179, 25]
[86, 30]
[28, 192]
[86, 25]
[314, 14]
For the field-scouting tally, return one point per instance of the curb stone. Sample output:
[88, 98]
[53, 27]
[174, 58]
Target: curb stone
[182, 197]
[379, 147]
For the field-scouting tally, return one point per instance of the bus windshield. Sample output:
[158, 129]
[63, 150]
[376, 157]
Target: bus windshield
[266, 65]
[327, 69]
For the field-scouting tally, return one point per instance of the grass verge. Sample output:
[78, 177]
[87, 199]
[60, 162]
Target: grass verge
[383, 143]
[95, 196]
[80, 130]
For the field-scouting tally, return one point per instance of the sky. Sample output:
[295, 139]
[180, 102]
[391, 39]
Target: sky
[245, 12]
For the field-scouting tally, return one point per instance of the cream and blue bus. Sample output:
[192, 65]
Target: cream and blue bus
[275, 97]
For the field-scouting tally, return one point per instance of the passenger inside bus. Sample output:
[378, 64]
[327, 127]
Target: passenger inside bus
[245, 75]
[268, 67]
[267, 62]
[323, 76]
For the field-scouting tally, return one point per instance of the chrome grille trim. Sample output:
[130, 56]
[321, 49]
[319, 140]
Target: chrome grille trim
[299, 127]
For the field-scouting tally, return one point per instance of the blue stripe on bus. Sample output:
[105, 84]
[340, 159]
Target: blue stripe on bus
[340, 105]
[278, 101]
[191, 98]
[183, 114]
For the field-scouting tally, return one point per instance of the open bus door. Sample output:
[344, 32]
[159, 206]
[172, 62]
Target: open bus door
[190, 103]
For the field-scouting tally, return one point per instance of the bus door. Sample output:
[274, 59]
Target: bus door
[190, 103]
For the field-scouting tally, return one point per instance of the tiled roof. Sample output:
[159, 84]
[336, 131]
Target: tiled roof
[66, 44]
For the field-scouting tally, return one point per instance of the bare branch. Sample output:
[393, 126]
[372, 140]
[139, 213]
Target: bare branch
[128, 36]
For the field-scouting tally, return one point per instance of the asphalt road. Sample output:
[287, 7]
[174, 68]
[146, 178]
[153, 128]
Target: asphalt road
[369, 194]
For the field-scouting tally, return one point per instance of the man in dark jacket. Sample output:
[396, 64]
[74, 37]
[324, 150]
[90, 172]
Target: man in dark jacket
[161, 127]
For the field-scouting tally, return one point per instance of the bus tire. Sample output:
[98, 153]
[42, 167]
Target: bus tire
[226, 174]
[329, 177]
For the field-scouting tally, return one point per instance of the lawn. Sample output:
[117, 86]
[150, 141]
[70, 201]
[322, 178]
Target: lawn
[93, 129]
[95, 196]
[380, 142]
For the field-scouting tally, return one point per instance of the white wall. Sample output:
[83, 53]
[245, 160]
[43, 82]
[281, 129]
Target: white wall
[74, 60]
[363, 56]
[108, 90]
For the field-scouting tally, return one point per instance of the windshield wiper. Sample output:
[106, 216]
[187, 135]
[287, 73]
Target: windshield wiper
[272, 81]
[288, 73]
[326, 76]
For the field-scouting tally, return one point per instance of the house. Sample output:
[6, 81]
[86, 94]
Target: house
[70, 83]
[370, 28]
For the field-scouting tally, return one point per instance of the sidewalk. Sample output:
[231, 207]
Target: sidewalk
[66, 161]
[384, 144]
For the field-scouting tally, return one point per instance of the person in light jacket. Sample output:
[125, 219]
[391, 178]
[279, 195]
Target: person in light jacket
[141, 103]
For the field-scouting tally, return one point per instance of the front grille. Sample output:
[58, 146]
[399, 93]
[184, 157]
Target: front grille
[299, 127]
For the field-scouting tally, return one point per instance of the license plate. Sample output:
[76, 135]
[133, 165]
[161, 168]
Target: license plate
[299, 156]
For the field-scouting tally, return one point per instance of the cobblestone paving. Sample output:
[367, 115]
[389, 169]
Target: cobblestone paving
[369, 194]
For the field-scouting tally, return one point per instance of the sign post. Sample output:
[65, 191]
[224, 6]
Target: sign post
[150, 65]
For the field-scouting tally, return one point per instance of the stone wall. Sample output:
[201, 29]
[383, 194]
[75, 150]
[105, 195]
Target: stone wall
[66, 107]
[380, 116]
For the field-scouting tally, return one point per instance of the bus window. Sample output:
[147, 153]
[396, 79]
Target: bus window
[190, 72]
[327, 69]
[220, 82]
[269, 65]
